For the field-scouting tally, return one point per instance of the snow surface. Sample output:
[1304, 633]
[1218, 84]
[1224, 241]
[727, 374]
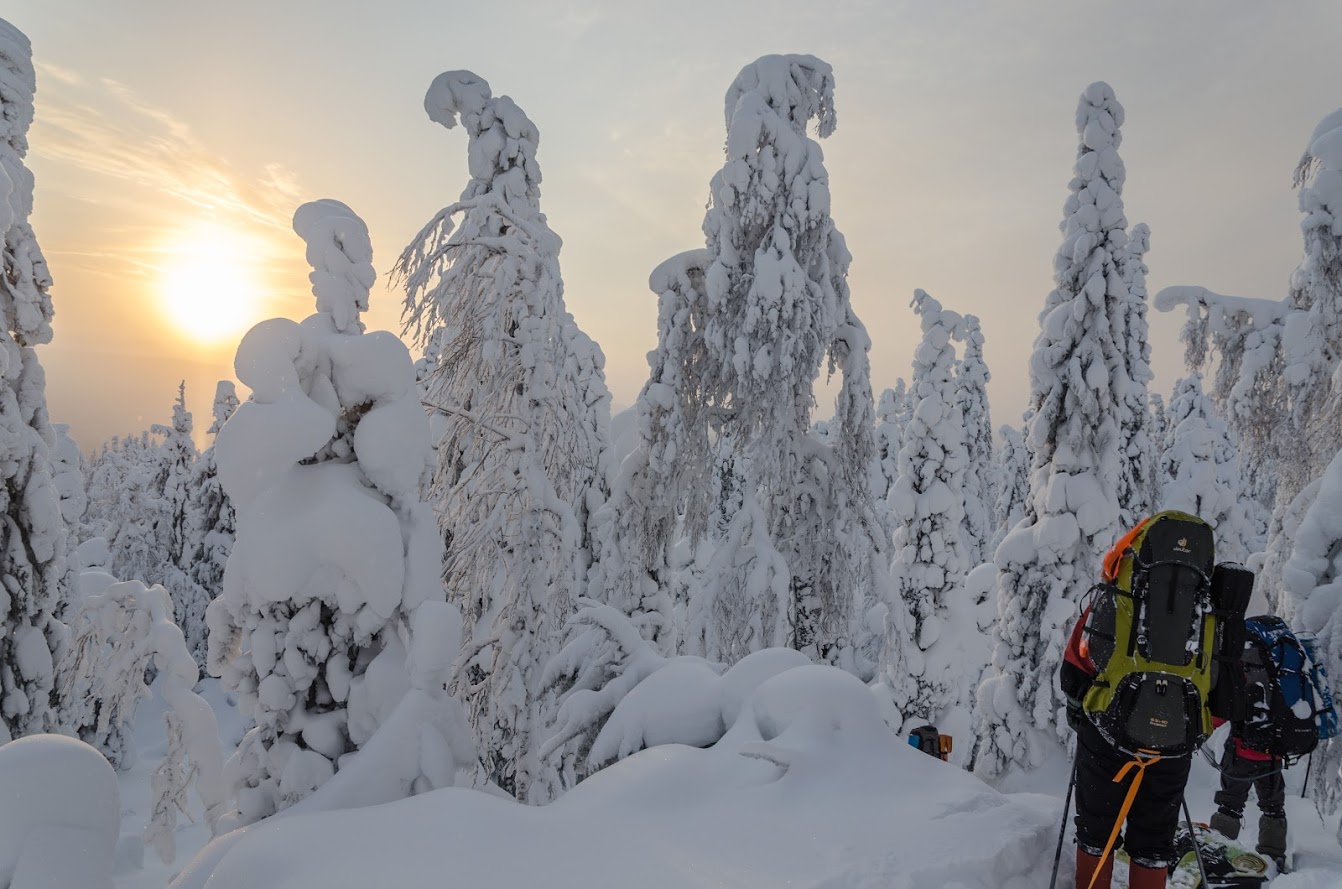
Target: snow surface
[59, 815]
[809, 788]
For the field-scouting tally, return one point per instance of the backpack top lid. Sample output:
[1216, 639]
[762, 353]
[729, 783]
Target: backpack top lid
[1168, 536]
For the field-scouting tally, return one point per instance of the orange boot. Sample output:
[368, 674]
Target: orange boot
[1146, 877]
[1091, 874]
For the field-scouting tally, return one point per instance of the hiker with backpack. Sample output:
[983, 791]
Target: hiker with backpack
[1138, 676]
[1286, 709]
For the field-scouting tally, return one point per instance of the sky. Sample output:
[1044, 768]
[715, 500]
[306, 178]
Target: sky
[173, 142]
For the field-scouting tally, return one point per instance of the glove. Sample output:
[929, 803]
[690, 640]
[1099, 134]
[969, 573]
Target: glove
[1074, 714]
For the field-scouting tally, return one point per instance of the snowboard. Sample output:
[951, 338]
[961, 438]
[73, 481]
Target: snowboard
[1229, 864]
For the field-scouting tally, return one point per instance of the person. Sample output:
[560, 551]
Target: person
[1242, 768]
[1154, 814]
[1137, 677]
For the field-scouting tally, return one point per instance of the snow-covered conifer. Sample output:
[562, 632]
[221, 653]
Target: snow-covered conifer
[930, 559]
[1014, 489]
[173, 492]
[211, 519]
[1201, 470]
[892, 415]
[34, 540]
[982, 473]
[335, 552]
[776, 302]
[1127, 319]
[1049, 560]
[1159, 428]
[1275, 362]
[525, 413]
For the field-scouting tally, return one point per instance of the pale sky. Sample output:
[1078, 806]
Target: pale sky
[174, 140]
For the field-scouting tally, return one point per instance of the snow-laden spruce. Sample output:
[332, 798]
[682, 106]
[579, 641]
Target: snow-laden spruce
[928, 502]
[1201, 471]
[524, 424]
[982, 474]
[336, 557]
[211, 520]
[1275, 362]
[1049, 560]
[892, 416]
[1014, 484]
[34, 539]
[1313, 580]
[173, 485]
[637, 529]
[775, 305]
[1131, 378]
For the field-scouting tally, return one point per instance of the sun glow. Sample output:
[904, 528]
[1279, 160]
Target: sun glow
[207, 283]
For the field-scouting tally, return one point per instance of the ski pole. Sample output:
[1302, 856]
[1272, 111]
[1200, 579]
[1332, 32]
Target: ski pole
[1062, 831]
[1197, 848]
[1309, 764]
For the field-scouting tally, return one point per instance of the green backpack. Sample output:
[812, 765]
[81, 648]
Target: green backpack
[1150, 633]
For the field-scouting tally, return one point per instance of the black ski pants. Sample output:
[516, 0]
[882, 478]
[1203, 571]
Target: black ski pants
[1239, 774]
[1154, 816]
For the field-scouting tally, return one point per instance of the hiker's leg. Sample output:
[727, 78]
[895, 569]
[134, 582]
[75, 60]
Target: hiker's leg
[1098, 801]
[1271, 789]
[1155, 813]
[1234, 792]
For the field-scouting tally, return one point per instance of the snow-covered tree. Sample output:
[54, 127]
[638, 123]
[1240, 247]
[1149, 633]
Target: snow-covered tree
[1313, 579]
[982, 474]
[1127, 320]
[1201, 470]
[892, 415]
[525, 412]
[1274, 363]
[776, 303]
[211, 519]
[1159, 428]
[1049, 560]
[639, 526]
[173, 492]
[33, 537]
[930, 553]
[336, 557]
[1014, 484]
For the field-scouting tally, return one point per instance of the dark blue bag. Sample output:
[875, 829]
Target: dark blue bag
[1290, 706]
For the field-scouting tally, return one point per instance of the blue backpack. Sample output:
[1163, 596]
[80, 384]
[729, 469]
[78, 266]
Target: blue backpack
[1290, 708]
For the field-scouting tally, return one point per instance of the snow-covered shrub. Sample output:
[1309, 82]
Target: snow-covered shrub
[32, 554]
[60, 812]
[525, 410]
[334, 549]
[1048, 561]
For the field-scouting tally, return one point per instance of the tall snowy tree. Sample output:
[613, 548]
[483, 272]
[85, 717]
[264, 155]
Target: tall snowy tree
[1159, 425]
[1014, 489]
[1313, 579]
[33, 535]
[1201, 470]
[982, 473]
[892, 416]
[776, 302]
[173, 492]
[1049, 560]
[336, 557]
[211, 519]
[638, 528]
[1274, 363]
[931, 555]
[525, 412]
[1131, 377]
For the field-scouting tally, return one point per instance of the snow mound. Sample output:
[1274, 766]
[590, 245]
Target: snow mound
[808, 789]
[59, 814]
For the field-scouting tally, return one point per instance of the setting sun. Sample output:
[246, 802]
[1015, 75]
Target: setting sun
[207, 285]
